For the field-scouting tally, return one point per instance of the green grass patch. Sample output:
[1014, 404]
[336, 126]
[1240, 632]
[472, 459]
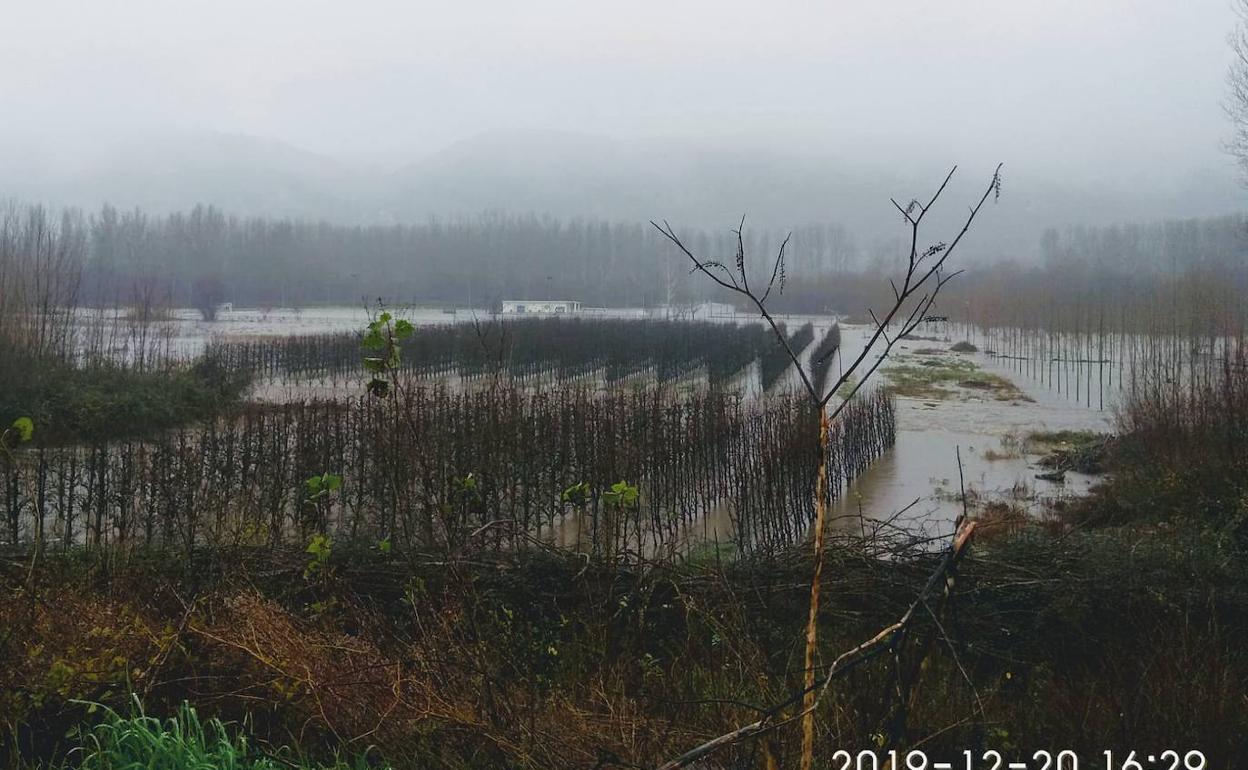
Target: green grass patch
[1073, 437]
[941, 378]
[184, 741]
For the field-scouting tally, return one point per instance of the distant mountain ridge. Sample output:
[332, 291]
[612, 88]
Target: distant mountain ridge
[569, 175]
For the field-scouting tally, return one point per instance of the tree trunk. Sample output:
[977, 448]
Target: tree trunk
[812, 623]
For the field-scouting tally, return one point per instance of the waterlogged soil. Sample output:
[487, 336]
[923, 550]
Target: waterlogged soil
[934, 374]
[184, 333]
[966, 405]
[949, 404]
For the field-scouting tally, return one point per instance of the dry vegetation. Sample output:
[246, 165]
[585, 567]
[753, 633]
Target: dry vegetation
[542, 662]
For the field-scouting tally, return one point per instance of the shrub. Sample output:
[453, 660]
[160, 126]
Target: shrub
[106, 401]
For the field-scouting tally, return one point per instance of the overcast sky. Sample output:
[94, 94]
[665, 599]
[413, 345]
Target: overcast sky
[1086, 87]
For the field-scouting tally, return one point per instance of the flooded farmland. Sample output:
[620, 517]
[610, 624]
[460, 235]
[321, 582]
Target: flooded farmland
[918, 477]
[592, 386]
[988, 432]
[998, 463]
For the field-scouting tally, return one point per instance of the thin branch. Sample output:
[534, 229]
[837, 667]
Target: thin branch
[910, 287]
[741, 288]
[880, 642]
[777, 269]
[918, 282]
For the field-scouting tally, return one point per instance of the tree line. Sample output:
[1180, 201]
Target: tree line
[204, 255]
[1195, 265]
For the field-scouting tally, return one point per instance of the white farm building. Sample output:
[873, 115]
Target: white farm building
[540, 306]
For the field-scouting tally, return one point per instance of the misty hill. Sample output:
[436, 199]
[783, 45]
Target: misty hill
[712, 186]
[572, 175]
[175, 170]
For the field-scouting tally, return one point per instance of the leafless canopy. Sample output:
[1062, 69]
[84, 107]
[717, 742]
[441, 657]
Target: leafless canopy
[1236, 104]
[925, 276]
[913, 298]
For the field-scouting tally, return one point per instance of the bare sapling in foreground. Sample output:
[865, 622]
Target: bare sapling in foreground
[914, 295]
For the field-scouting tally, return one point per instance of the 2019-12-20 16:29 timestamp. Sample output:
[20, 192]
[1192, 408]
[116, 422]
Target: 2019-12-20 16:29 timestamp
[1040, 760]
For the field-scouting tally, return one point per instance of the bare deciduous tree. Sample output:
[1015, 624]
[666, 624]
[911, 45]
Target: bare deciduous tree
[207, 293]
[913, 297]
[1236, 104]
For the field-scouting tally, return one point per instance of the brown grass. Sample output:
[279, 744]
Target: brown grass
[551, 664]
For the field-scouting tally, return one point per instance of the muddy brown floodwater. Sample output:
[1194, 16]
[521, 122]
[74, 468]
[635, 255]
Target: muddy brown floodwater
[923, 466]
[989, 433]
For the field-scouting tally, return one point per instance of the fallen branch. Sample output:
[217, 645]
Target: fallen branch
[843, 663]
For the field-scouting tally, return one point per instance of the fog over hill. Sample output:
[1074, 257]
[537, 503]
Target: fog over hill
[569, 175]
[792, 114]
[713, 184]
[167, 171]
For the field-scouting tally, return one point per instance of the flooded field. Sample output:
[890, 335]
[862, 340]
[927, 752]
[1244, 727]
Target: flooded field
[987, 427]
[920, 475]
[183, 333]
[953, 402]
